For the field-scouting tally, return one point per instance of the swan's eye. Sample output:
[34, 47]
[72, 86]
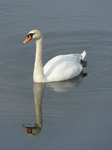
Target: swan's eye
[27, 36]
[30, 35]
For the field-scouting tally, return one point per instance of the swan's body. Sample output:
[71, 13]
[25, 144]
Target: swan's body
[59, 68]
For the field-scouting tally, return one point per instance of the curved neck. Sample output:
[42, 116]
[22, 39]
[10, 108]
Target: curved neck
[38, 75]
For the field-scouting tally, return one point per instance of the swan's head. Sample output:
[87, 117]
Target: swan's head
[33, 35]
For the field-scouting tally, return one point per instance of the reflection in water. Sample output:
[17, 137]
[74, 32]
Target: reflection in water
[68, 85]
[38, 89]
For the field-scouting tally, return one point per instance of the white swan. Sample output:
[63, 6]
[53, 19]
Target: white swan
[59, 68]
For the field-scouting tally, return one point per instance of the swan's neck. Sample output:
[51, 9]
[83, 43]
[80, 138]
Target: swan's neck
[38, 75]
[38, 95]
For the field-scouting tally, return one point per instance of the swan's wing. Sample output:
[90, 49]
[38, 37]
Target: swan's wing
[62, 67]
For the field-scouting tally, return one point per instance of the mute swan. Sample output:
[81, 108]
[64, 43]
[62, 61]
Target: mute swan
[59, 68]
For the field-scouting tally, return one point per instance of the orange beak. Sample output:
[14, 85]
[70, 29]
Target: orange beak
[27, 39]
[28, 129]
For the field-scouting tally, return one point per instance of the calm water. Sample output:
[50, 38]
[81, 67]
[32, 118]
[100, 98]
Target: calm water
[75, 114]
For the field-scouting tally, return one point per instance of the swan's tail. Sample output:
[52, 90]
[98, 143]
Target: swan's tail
[81, 58]
[83, 55]
[84, 63]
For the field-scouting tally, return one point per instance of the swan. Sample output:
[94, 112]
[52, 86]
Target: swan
[59, 68]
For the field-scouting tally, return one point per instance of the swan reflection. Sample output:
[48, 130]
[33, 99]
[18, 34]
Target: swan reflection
[68, 85]
[38, 89]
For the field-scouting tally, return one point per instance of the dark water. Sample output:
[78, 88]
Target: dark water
[75, 114]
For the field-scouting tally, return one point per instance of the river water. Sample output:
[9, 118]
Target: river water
[75, 114]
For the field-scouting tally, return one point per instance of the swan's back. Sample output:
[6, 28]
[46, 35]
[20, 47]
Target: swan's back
[63, 67]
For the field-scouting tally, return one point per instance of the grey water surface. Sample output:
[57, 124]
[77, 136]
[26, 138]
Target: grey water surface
[69, 115]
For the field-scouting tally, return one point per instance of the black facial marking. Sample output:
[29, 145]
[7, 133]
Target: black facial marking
[31, 34]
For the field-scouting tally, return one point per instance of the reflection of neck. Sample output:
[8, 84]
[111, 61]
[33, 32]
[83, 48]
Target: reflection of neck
[38, 66]
[38, 95]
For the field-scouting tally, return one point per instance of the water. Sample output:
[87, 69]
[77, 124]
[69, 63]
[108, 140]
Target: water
[75, 114]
